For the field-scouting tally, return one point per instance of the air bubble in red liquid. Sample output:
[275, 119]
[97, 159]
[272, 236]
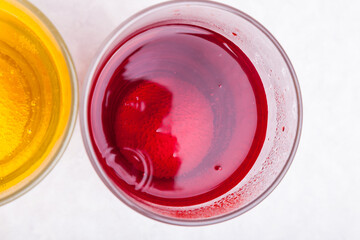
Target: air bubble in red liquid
[218, 168]
[170, 104]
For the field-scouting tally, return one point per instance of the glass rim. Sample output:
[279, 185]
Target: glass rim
[67, 133]
[104, 47]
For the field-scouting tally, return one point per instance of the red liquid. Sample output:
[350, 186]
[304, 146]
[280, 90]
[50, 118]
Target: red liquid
[177, 115]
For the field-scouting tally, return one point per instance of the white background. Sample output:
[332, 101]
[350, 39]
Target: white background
[319, 198]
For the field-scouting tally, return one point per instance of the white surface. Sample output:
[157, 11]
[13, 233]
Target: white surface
[318, 198]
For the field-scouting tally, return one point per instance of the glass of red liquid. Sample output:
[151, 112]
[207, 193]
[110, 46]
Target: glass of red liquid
[191, 112]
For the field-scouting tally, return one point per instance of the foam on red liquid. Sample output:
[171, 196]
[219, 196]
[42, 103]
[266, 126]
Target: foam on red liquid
[178, 115]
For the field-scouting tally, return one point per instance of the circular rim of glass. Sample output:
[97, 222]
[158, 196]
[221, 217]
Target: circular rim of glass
[67, 133]
[84, 121]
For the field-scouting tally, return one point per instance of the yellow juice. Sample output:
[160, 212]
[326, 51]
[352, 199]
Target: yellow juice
[37, 100]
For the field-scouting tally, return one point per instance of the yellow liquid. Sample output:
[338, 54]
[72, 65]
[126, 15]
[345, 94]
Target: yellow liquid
[35, 97]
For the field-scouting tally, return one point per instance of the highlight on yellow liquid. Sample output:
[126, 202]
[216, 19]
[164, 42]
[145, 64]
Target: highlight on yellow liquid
[36, 97]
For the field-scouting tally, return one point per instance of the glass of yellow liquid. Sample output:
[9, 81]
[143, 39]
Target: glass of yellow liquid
[38, 97]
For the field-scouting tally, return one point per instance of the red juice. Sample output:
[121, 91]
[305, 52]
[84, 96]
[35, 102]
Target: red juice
[177, 115]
